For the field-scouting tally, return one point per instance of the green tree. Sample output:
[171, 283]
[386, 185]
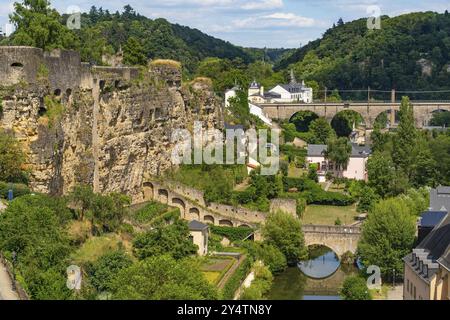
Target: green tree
[387, 236]
[355, 288]
[321, 131]
[339, 151]
[134, 53]
[441, 119]
[367, 199]
[12, 159]
[162, 278]
[303, 119]
[404, 151]
[40, 26]
[173, 239]
[284, 231]
[105, 269]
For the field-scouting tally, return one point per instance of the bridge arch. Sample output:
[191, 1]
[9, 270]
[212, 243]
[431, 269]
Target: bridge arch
[193, 214]
[303, 119]
[342, 126]
[179, 203]
[209, 219]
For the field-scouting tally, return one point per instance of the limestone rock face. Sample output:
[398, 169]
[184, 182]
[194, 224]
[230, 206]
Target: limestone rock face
[110, 136]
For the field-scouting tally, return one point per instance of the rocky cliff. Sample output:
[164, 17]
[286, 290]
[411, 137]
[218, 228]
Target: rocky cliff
[110, 135]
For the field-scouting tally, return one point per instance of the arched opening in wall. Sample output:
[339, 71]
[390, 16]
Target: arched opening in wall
[57, 92]
[303, 119]
[177, 202]
[208, 219]
[17, 72]
[244, 226]
[346, 122]
[163, 196]
[42, 111]
[194, 214]
[116, 84]
[102, 84]
[68, 92]
[148, 191]
[17, 65]
[384, 119]
[440, 118]
[225, 223]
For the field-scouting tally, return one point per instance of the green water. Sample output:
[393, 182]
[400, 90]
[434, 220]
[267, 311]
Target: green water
[293, 284]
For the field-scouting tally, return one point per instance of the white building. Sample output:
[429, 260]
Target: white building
[356, 167]
[282, 93]
[199, 236]
[229, 94]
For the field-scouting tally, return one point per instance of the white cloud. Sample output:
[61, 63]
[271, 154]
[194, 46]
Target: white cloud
[263, 4]
[275, 20]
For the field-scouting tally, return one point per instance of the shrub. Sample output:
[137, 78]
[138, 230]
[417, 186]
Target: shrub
[355, 288]
[236, 279]
[17, 188]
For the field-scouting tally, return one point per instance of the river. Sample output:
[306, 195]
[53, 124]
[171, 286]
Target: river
[319, 278]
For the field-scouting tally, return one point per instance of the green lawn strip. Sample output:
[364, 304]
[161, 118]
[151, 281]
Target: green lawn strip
[327, 215]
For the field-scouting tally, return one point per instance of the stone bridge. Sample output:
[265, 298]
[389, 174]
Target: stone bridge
[423, 111]
[340, 239]
[193, 206]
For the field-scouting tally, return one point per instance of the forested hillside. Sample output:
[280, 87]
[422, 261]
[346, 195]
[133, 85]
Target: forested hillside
[409, 52]
[105, 32]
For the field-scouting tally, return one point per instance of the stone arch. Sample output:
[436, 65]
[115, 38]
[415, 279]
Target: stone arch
[163, 196]
[326, 244]
[102, 84]
[313, 116]
[57, 92]
[194, 214]
[209, 219]
[225, 223]
[17, 65]
[430, 115]
[244, 226]
[339, 126]
[179, 203]
[68, 92]
[387, 114]
[148, 191]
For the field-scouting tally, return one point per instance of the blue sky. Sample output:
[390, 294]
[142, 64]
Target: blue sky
[257, 23]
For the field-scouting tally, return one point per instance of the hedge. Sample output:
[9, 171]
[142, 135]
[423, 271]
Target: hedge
[231, 233]
[236, 279]
[314, 194]
[17, 188]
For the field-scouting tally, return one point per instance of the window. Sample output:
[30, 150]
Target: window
[415, 293]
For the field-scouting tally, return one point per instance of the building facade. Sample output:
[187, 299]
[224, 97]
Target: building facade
[199, 235]
[355, 169]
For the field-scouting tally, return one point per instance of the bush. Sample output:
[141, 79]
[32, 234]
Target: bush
[355, 288]
[272, 257]
[236, 279]
[260, 285]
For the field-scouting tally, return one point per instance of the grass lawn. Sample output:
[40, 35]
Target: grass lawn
[295, 172]
[327, 215]
[95, 247]
[212, 276]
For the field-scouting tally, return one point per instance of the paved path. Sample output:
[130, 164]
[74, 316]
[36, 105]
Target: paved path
[230, 272]
[395, 294]
[6, 292]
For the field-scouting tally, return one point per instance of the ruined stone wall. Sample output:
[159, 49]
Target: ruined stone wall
[111, 130]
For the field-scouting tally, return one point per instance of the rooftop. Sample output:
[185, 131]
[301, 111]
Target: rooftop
[195, 225]
[440, 199]
[319, 150]
[432, 218]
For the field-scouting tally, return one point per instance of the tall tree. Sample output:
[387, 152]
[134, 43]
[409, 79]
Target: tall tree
[40, 26]
[388, 235]
[405, 139]
[339, 151]
[12, 159]
[133, 52]
[321, 131]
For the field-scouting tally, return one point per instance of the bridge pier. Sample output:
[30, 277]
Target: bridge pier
[340, 239]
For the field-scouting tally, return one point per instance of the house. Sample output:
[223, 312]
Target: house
[282, 93]
[229, 94]
[355, 169]
[427, 268]
[199, 235]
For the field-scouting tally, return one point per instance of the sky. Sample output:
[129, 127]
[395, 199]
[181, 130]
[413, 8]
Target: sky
[254, 23]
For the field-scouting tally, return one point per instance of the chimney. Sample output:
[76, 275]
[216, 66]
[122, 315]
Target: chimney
[261, 91]
[393, 96]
